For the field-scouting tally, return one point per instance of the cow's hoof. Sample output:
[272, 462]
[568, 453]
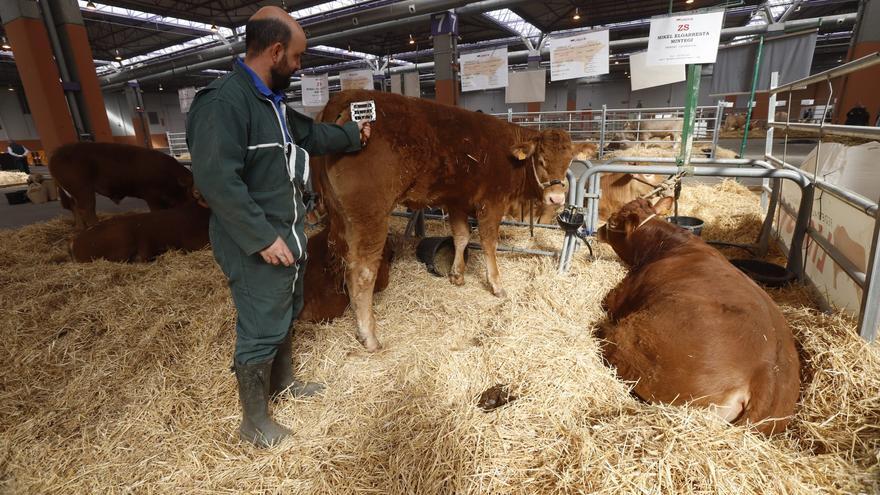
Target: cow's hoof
[499, 292]
[371, 344]
[456, 279]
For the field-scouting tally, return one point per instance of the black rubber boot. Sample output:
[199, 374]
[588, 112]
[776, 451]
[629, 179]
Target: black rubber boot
[257, 426]
[283, 382]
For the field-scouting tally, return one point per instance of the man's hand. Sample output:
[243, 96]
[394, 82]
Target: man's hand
[278, 253]
[365, 129]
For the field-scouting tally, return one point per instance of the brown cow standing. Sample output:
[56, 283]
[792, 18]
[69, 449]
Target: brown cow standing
[325, 297]
[423, 153]
[117, 171]
[687, 326]
[144, 236]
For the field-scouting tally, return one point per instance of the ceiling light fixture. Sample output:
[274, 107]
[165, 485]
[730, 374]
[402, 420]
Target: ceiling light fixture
[161, 88]
[118, 56]
[6, 45]
[412, 41]
[616, 62]
[214, 28]
[577, 14]
[689, 1]
[91, 6]
[11, 88]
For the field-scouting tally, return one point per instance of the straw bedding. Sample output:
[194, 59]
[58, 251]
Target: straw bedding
[116, 379]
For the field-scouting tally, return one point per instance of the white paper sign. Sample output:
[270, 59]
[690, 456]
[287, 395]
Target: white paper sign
[685, 39]
[645, 76]
[356, 79]
[580, 55]
[484, 70]
[315, 90]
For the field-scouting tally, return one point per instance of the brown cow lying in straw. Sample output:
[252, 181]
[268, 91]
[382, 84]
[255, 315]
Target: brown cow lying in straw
[325, 296]
[423, 153]
[117, 171]
[144, 236]
[687, 326]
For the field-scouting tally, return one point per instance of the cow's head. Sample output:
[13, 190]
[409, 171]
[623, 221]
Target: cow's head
[546, 157]
[621, 226]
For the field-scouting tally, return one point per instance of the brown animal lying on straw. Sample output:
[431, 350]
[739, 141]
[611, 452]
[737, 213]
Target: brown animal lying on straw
[687, 326]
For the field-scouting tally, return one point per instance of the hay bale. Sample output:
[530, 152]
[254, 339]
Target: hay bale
[8, 178]
[116, 378]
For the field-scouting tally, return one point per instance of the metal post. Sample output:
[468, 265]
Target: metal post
[719, 116]
[510, 115]
[757, 72]
[690, 106]
[796, 251]
[602, 131]
[869, 314]
[768, 142]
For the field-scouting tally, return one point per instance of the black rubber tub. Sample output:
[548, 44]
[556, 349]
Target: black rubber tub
[694, 224]
[438, 253]
[766, 274]
[17, 197]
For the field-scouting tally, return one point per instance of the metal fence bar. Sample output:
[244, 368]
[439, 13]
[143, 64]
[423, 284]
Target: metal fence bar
[867, 206]
[858, 131]
[869, 313]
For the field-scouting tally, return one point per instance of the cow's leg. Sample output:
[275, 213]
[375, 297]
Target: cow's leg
[461, 233]
[489, 222]
[363, 259]
[84, 207]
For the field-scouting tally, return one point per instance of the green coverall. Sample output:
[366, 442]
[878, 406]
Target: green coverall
[253, 180]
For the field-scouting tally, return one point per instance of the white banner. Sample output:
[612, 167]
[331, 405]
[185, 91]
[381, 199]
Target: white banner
[397, 84]
[412, 84]
[356, 79]
[685, 39]
[185, 97]
[579, 55]
[645, 76]
[527, 87]
[484, 70]
[315, 90]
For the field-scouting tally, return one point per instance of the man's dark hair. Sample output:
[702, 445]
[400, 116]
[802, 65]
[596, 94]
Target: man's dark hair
[262, 33]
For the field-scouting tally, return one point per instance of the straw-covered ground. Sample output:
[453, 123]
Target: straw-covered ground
[115, 379]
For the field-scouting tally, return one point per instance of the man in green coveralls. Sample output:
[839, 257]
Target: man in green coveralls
[250, 161]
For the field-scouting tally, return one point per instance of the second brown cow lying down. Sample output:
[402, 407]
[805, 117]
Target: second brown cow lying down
[687, 326]
[144, 236]
[325, 297]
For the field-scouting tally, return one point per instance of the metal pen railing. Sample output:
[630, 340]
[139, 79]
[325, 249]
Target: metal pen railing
[869, 310]
[626, 127]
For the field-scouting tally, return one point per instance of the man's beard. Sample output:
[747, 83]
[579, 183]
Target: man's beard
[279, 76]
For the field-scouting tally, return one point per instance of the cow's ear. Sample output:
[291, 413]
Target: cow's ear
[632, 223]
[523, 150]
[584, 151]
[664, 205]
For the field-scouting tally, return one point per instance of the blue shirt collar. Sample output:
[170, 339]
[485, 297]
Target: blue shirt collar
[276, 97]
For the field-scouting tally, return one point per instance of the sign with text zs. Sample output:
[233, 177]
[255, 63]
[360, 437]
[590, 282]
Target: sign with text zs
[685, 39]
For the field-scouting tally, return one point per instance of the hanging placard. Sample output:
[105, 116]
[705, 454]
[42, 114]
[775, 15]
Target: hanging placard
[356, 79]
[579, 55]
[685, 39]
[315, 90]
[484, 70]
[645, 76]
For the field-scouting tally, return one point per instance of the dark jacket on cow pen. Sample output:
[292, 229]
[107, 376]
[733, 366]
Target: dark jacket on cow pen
[251, 163]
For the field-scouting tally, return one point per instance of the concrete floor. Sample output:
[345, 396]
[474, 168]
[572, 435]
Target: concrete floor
[12, 216]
